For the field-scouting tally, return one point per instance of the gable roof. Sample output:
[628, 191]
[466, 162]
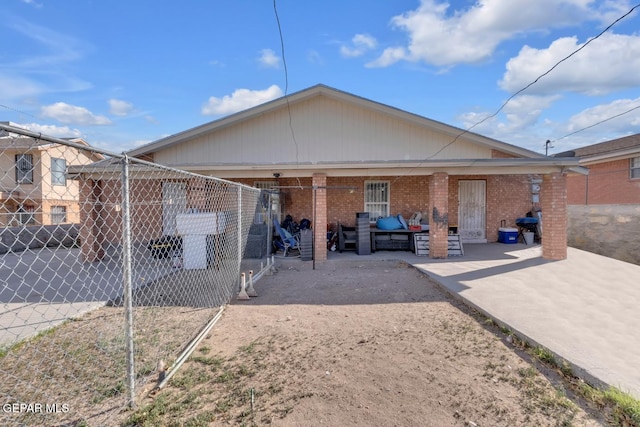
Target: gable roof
[627, 146]
[322, 90]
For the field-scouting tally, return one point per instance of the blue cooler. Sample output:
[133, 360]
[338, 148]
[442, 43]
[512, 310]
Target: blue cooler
[507, 235]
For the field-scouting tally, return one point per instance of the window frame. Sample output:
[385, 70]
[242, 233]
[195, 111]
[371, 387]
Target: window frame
[634, 168]
[26, 214]
[58, 177]
[56, 216]
[374, 213]
[24, 175]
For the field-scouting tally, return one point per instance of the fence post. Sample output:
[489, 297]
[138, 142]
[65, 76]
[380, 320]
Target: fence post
[127, 281]
[239, 227]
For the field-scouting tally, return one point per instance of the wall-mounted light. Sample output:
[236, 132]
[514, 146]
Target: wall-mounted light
[276, 175]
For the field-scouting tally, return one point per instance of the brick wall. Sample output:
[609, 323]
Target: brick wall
[508, 198]
[438, 215]
[320, 236]
[607, 183]
[553, 197]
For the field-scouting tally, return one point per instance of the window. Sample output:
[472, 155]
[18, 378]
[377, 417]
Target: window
[376, 199]
[24, 168]
[269, 192]
[25, 214]
[634, 168]
[58, 214]
[58, 172]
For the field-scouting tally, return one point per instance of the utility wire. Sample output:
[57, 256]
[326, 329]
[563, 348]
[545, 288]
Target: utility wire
[286, 87]
[529, 85]
[598, 123]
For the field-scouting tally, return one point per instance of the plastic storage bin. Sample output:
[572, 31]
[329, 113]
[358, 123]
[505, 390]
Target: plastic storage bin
[507, 235]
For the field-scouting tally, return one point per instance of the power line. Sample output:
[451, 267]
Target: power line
[286, 86]
[598, 123]
[528, 86]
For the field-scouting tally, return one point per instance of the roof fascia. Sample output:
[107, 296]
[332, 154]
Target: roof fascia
[609, 157]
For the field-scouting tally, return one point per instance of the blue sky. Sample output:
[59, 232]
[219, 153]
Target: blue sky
[123, 73]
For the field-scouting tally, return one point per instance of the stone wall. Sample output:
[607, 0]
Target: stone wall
[610, 230]
[16, 239]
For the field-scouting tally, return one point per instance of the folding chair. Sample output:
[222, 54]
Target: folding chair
[290, 241]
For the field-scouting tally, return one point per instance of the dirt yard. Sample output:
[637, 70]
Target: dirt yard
[358, 343]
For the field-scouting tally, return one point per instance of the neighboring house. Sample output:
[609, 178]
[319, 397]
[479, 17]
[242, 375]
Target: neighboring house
[332, 154]
[34, 187]
[604, 206]
[614, 173]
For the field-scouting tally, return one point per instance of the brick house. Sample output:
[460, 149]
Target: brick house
[614, 173]
[34, 189]
[333, 154]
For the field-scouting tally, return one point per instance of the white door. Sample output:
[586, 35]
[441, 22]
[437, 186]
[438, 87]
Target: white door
[174, 202]
[472, 216]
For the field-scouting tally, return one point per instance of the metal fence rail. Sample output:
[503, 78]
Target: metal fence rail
[109, 267]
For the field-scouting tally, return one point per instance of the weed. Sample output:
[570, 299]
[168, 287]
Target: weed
[108, 392]
[189, 377]
[225, 377]
[205, 349]
[545, 356]
[151, 414]
[626, 407]
[200, 420]
[216, 362]
[249, 348]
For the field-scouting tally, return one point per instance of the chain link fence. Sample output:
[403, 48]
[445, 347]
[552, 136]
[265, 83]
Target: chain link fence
[109, 268]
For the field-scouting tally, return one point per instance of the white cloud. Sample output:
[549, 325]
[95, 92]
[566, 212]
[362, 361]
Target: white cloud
[604, 115]
[389, 56]
[445, 38]
[68, 114]
[518, 115]
[239, 100]
[361, 44]
[121, 108]
[268, 58]
[53, 130]
[13, 87]
[44, 69]
[608, 63]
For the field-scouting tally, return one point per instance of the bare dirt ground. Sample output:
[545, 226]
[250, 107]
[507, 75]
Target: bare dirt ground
[358, 343]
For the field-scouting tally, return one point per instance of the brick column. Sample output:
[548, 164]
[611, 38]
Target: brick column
[320, 222]
[89, 233]
[438, 215]
[553, 199]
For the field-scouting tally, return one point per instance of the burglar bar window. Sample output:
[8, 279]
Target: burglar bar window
[376, 199]
[58, 214]
[24, 168]
[26, 214]
[635, 168]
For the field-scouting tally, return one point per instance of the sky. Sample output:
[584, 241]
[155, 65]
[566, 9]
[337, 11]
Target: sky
[122, 73]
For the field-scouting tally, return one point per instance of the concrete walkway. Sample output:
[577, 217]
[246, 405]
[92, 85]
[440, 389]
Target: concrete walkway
[585, 309]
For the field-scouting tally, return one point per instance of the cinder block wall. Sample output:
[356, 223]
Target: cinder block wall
[610, 230]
